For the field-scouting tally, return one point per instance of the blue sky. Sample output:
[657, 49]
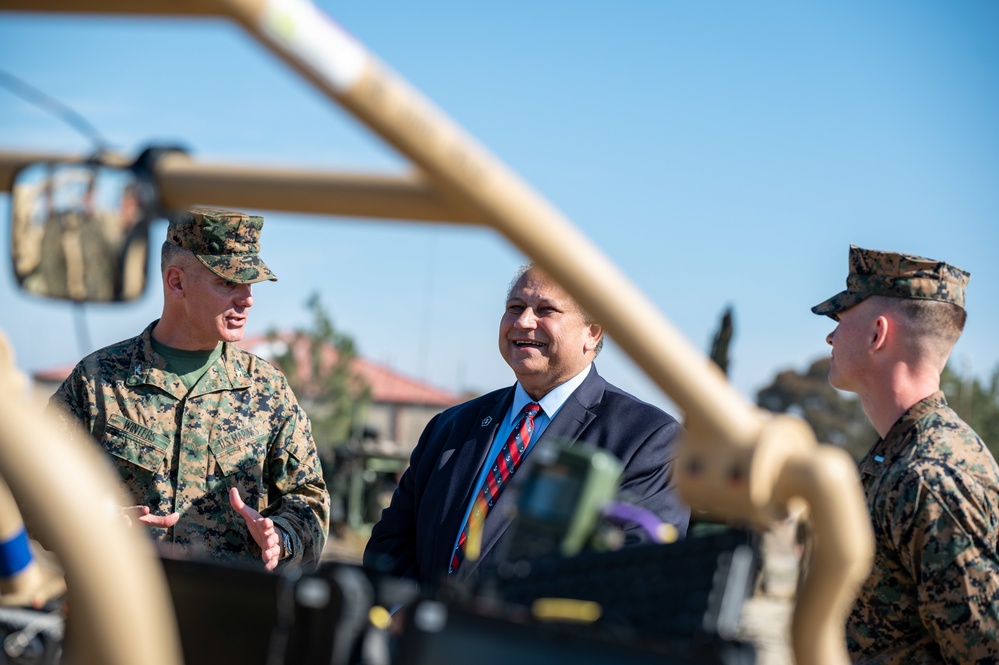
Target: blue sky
[720, 153]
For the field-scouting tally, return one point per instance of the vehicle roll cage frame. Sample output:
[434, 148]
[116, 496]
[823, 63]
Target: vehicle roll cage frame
[738, 463]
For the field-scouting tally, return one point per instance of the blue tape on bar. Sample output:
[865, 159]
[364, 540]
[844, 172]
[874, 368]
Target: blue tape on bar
[15, 555]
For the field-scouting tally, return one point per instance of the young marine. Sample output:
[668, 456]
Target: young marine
[932, 487]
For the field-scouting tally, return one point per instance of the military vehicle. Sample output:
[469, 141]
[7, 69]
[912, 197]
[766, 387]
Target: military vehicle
[738, 463]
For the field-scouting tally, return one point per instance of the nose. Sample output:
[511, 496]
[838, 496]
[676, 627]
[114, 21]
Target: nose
[829, 337]
[244, 295]
[526, 319]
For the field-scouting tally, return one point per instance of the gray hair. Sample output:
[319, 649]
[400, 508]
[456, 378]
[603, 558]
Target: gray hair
[171, 255]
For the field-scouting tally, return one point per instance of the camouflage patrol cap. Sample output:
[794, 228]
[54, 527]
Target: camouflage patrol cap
[874, 273]
[226, 241]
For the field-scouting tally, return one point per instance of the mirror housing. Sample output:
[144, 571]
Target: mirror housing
[80, 230]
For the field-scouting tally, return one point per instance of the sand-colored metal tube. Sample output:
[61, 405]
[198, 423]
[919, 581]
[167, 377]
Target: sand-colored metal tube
[758, 483]
[125, 614]
[756, 465]
[842, 555]
[11, 162]
[143, 7]
[183, 182]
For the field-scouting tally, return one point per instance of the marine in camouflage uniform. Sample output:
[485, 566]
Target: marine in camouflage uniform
[932, 489]
[180, 448]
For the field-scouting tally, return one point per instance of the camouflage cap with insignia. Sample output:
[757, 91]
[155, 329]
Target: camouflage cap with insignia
[875, 273]
[226, 241]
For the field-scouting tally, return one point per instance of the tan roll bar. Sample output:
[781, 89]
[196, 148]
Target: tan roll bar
[112, 571]
[738, 463]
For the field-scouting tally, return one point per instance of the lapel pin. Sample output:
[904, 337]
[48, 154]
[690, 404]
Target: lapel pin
[487, 420]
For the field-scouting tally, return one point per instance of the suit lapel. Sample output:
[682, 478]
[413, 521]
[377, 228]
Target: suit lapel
[468, 457]
[568, 424]
[571, 421]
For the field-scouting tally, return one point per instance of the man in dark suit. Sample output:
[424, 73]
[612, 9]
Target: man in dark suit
[550, 344]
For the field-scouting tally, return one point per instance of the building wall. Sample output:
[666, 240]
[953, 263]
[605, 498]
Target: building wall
[400, 423]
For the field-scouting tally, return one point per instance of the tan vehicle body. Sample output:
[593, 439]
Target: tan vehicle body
[780, 466]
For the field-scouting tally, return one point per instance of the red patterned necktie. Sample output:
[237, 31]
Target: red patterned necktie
[510, 455]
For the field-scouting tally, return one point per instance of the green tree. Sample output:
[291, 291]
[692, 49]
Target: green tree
[839, 418]
[975, 402]
[723, 339]
[318, 362]
[836, 417]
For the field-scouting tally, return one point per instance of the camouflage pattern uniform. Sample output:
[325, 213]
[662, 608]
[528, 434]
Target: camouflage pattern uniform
[876, 273]
[180, 450]
[227, 242]
[932, 490]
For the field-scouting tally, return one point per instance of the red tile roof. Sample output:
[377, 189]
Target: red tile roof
[392, 387]
[387, 386]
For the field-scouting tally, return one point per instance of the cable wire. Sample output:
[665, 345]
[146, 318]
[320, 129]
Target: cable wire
[35, 96]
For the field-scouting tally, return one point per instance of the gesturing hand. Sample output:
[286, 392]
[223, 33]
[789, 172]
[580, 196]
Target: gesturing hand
[261, 528]
[141, 514]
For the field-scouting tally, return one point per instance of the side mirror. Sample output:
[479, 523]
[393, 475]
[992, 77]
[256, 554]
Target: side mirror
[80, 231]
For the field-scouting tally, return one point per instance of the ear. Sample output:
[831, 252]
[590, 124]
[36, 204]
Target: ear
[174, 282]
[879, 333]
[594, 334]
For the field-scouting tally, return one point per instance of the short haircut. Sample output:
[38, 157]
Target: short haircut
[170, 254]
[930, 326]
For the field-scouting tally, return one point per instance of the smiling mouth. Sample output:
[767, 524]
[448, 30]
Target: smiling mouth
[527, 344]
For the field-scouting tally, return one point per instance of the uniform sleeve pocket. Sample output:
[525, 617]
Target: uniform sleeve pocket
[135, 443]
[244, 451]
